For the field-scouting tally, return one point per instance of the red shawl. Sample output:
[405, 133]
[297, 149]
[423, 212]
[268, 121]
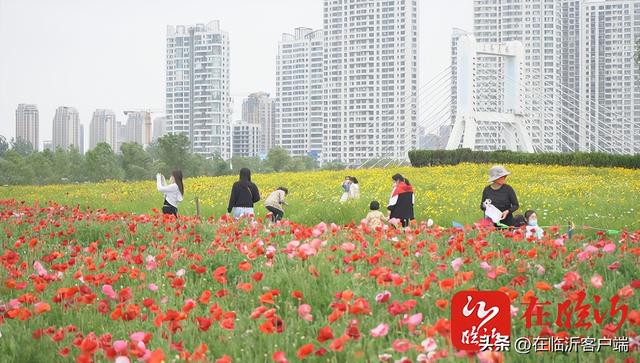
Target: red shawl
[401, 188]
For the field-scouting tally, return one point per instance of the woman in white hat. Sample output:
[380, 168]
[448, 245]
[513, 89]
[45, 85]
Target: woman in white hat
[500, 195]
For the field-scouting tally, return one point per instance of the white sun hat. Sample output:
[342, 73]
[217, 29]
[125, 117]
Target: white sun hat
[497, 172]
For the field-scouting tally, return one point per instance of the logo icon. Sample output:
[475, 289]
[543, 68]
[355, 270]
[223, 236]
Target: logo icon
[481, 320]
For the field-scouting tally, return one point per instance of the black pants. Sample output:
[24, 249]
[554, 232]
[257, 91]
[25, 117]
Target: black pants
[277, 214]
[169, 209]
[403, 222]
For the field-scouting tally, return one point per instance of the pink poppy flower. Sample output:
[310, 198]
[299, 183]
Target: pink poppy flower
[137, 336]
[304, 311]
[413, 320]
[596, 281]
[379, 331]
[456, 263]
[401, 345]
[120, 346]
[109, 292]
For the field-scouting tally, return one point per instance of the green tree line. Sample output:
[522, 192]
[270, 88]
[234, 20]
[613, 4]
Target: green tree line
[20, 164]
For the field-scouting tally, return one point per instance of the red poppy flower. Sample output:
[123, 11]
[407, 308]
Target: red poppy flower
[446, 284]
[337, 345]
[279, 357]
[304, 351]
[220, 274]
[325, 334]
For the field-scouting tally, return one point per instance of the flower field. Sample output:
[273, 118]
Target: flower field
[93, 273]
[598, 197]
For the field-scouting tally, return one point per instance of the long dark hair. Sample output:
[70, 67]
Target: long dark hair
[177, 178]
[354, 179]
[400, 178]
[245, 176]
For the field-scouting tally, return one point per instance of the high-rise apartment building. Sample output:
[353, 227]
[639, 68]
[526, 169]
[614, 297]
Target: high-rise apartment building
[103, 129]
[246, 139]
[198, 100]
[27, 124]
[370, 79]
[258, 108]
[159, 127]
[66, 128]
[609, 87]
[299, 80]
[134, 128]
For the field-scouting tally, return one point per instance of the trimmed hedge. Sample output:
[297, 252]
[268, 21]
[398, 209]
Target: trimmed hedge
[452, 157]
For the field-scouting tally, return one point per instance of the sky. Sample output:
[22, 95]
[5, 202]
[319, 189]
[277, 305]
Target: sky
[93, 54]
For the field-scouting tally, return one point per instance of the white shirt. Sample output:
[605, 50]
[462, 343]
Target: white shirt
[354, 191]
[171, 192]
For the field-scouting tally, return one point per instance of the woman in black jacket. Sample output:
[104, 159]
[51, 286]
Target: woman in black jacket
[401, 201]
[244, 194]
[501, 195]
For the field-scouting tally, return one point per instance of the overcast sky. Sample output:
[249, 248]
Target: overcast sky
[111, 54]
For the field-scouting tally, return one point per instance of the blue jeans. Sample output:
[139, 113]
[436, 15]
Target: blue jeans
[238, 212]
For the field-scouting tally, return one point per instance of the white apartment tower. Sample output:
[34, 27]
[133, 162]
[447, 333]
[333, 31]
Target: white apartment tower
[133, 130]
[299, 84]
[159, 127]
[537, 25]
[66, 128]
[103, 129]
[27, 124]
[260, 109]
[81, 136]
[370, 79]
[198, 100]
[609, 86]
[246, 139]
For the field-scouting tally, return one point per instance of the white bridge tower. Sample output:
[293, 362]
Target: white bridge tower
[465, 127]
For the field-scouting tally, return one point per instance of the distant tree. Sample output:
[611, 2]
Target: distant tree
[15, 169]
[220, 167]
[21, 146]
[638, 50]
[333, 166]
[136, 162]
[301, 163]
[309, 163]
[153, 149]
[253, 163]
[42, 166]
[77, 171]
[102, 164]
[174, 153]
[4, 145]
[196, 165]
[277, 159]
[61, 164]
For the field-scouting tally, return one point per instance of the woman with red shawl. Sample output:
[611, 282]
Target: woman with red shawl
[401, 201]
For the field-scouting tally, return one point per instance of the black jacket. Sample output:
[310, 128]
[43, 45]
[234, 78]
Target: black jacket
[243, 195]
[503, 198]
[403, 209]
